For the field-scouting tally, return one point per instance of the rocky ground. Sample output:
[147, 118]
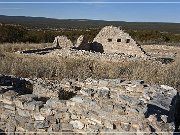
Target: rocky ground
[115, 57]
[91, 106]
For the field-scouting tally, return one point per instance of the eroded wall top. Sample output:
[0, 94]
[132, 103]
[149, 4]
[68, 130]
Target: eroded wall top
[114, 39]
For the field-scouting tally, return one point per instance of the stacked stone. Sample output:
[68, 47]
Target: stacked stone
[93, 106]
[113, 34]
[98, 56]
[62, 41]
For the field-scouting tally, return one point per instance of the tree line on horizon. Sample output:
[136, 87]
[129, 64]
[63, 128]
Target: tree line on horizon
[19, 34]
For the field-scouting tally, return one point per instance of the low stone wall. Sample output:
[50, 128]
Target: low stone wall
[90, 106]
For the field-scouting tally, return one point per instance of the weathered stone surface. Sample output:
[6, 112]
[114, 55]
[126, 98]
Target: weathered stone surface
[21, 121]
[104, 92]
[62, 41]
[114, 39]
[77, 99]
[9, 107]
[54, 103]
[109, 105]
[39, 124]
[66, 126]
[80, 41]
[29, 127]
[38, 116]
[45, 111]
[24, 113]
[43, 91]
[77, 124]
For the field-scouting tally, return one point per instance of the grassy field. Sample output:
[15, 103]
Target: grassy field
[56, 67]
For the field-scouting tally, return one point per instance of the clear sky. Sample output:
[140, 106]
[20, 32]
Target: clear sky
[139, 12]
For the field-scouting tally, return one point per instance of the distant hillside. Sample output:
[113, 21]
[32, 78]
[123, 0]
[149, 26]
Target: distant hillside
[58, 24]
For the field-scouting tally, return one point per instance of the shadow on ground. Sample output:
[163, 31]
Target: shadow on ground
[18, 85]
[41, 51]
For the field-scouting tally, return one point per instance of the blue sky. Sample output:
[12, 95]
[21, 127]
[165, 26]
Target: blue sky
[142, 12]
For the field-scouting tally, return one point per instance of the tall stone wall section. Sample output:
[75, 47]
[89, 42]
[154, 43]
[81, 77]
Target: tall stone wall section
[62, 42]
[116, 40]
[93, 106]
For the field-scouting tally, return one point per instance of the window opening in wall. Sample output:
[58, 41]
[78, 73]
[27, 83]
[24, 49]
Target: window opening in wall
[127, 40]
[109, 39]
[118, 40]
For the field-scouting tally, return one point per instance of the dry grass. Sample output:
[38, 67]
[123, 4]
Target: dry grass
[8, 47]
[55, 67]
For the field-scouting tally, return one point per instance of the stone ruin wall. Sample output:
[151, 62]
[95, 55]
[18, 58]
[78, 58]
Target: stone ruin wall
[93, 106]
[115, 40]
[62, 42]
[110, 40]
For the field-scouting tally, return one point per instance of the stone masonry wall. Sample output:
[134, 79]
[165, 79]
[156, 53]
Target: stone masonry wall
[116, 40]
[62, 42]
[90, 106]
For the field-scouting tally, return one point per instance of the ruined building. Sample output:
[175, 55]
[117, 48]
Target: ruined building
[115, 40]
[109, 40]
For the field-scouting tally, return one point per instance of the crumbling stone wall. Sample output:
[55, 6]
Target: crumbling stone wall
[116, 40]
[93, 106]
[81, 41]
[62, 42]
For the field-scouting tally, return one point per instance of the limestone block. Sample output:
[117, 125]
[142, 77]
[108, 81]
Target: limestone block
[77, 124]
[1, 96]
[66, 126]
[56, 127]
[24, 113]
[20, 129]
[75, 117]
[38, 116]
[96, 119]
[9, 95]
[167, 87]
[39, 124]
[92, 128]
[55, 103]
[102, 83]
[19, 103]
[30, 127]
[88, 92]
[42, 91]
[7, 101]
[45, 111]
[21, 121]
[10, 107]
[10, 127]
[66, 116]
[108, 124]
[77, 99]
[104, 92]
[59, 115]
[30, 105]
[51, 119]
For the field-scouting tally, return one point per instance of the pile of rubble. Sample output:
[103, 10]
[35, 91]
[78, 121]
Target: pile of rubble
[93, 106]
[71, 53]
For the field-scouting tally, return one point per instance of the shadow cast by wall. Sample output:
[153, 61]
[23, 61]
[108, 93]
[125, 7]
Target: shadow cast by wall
[66, 95]
[177, 114]
[93, 47]
[2, 132]
[165, 60]
[18, 85]
[41, 51]
[173, 114]
[155, 110]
